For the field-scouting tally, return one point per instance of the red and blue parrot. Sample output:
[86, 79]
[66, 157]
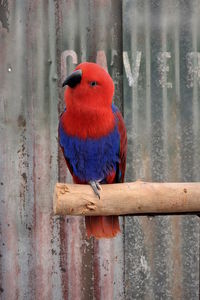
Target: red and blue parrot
[93, 138]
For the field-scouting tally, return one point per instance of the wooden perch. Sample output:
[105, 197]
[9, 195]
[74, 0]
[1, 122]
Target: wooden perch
[127, 198]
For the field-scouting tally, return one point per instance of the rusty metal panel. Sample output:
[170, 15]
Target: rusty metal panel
[151, 50]
[46, 257]
[161, 105]
[29, 235]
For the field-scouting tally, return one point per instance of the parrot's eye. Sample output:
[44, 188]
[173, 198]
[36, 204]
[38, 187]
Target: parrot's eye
[93, 83]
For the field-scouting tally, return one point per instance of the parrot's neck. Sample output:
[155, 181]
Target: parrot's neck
[87, 123]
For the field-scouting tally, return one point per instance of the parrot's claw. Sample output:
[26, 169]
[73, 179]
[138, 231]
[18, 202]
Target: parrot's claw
[96, 187]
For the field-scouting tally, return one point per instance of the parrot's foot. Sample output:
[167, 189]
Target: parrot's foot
[96, 187]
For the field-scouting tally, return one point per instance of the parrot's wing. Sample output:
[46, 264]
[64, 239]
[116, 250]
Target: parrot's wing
[123, 145]
[61, 138]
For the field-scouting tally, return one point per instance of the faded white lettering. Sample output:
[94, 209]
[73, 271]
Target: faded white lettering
[64, 56]
[101, 59]
[193, 66]
[133, 75]
[163, 69]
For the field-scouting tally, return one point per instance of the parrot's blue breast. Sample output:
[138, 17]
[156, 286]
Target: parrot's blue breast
[91, 159]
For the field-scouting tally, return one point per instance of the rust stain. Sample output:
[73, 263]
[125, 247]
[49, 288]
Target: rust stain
[176, 277]
[97, 270]
[74, 258]
[87, 271]
[21, 121]
[23, 162]
[42, 248]
[63, 256]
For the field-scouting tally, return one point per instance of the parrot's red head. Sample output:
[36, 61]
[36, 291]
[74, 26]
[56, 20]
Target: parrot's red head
[88, 100]
[89, 85]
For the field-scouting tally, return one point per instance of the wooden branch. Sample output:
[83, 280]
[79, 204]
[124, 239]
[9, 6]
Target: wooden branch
[127, 198]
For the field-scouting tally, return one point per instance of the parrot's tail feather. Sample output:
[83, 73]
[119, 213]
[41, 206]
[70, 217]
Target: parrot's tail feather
[102, 227]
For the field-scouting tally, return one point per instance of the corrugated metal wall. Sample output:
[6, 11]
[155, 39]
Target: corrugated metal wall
[152, 50]
[161, 43]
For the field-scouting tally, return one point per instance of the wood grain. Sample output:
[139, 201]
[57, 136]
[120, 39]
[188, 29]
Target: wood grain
[127, 198]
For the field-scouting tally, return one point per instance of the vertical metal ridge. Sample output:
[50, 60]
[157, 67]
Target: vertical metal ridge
[42, 155]
[13, 157]
[74, 258]
[157, 155]
[177, 277]
[196, 80]
[163, 66]
[186, 105]
[148, 90]
[57, 293]
[190, 256]
[175, 145]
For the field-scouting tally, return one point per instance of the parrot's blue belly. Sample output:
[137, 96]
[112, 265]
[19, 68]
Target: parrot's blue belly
[91, 159]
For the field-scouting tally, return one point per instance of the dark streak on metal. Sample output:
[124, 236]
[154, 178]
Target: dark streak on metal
[158, 157]
[31, 146]
[186, 105]
[1, 258]
[87, 270]
[59, 42]
[4, 14]
[190, 257]
[92, 42]
[117, 62]
[63, 256]
[97, 289]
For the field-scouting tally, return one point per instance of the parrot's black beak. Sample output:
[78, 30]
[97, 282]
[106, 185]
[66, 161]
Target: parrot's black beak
[73, 79]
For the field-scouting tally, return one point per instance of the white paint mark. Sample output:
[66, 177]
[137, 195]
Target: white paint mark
[132, 76]
[193, 66]
[113, 54]
[64, 56]
[144, 265]
[163, 69]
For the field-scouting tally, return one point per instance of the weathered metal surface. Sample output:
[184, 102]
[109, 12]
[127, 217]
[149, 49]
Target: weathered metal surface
[161, 106]
[153, 46]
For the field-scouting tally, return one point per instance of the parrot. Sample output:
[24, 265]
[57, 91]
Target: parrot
[93, 139]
